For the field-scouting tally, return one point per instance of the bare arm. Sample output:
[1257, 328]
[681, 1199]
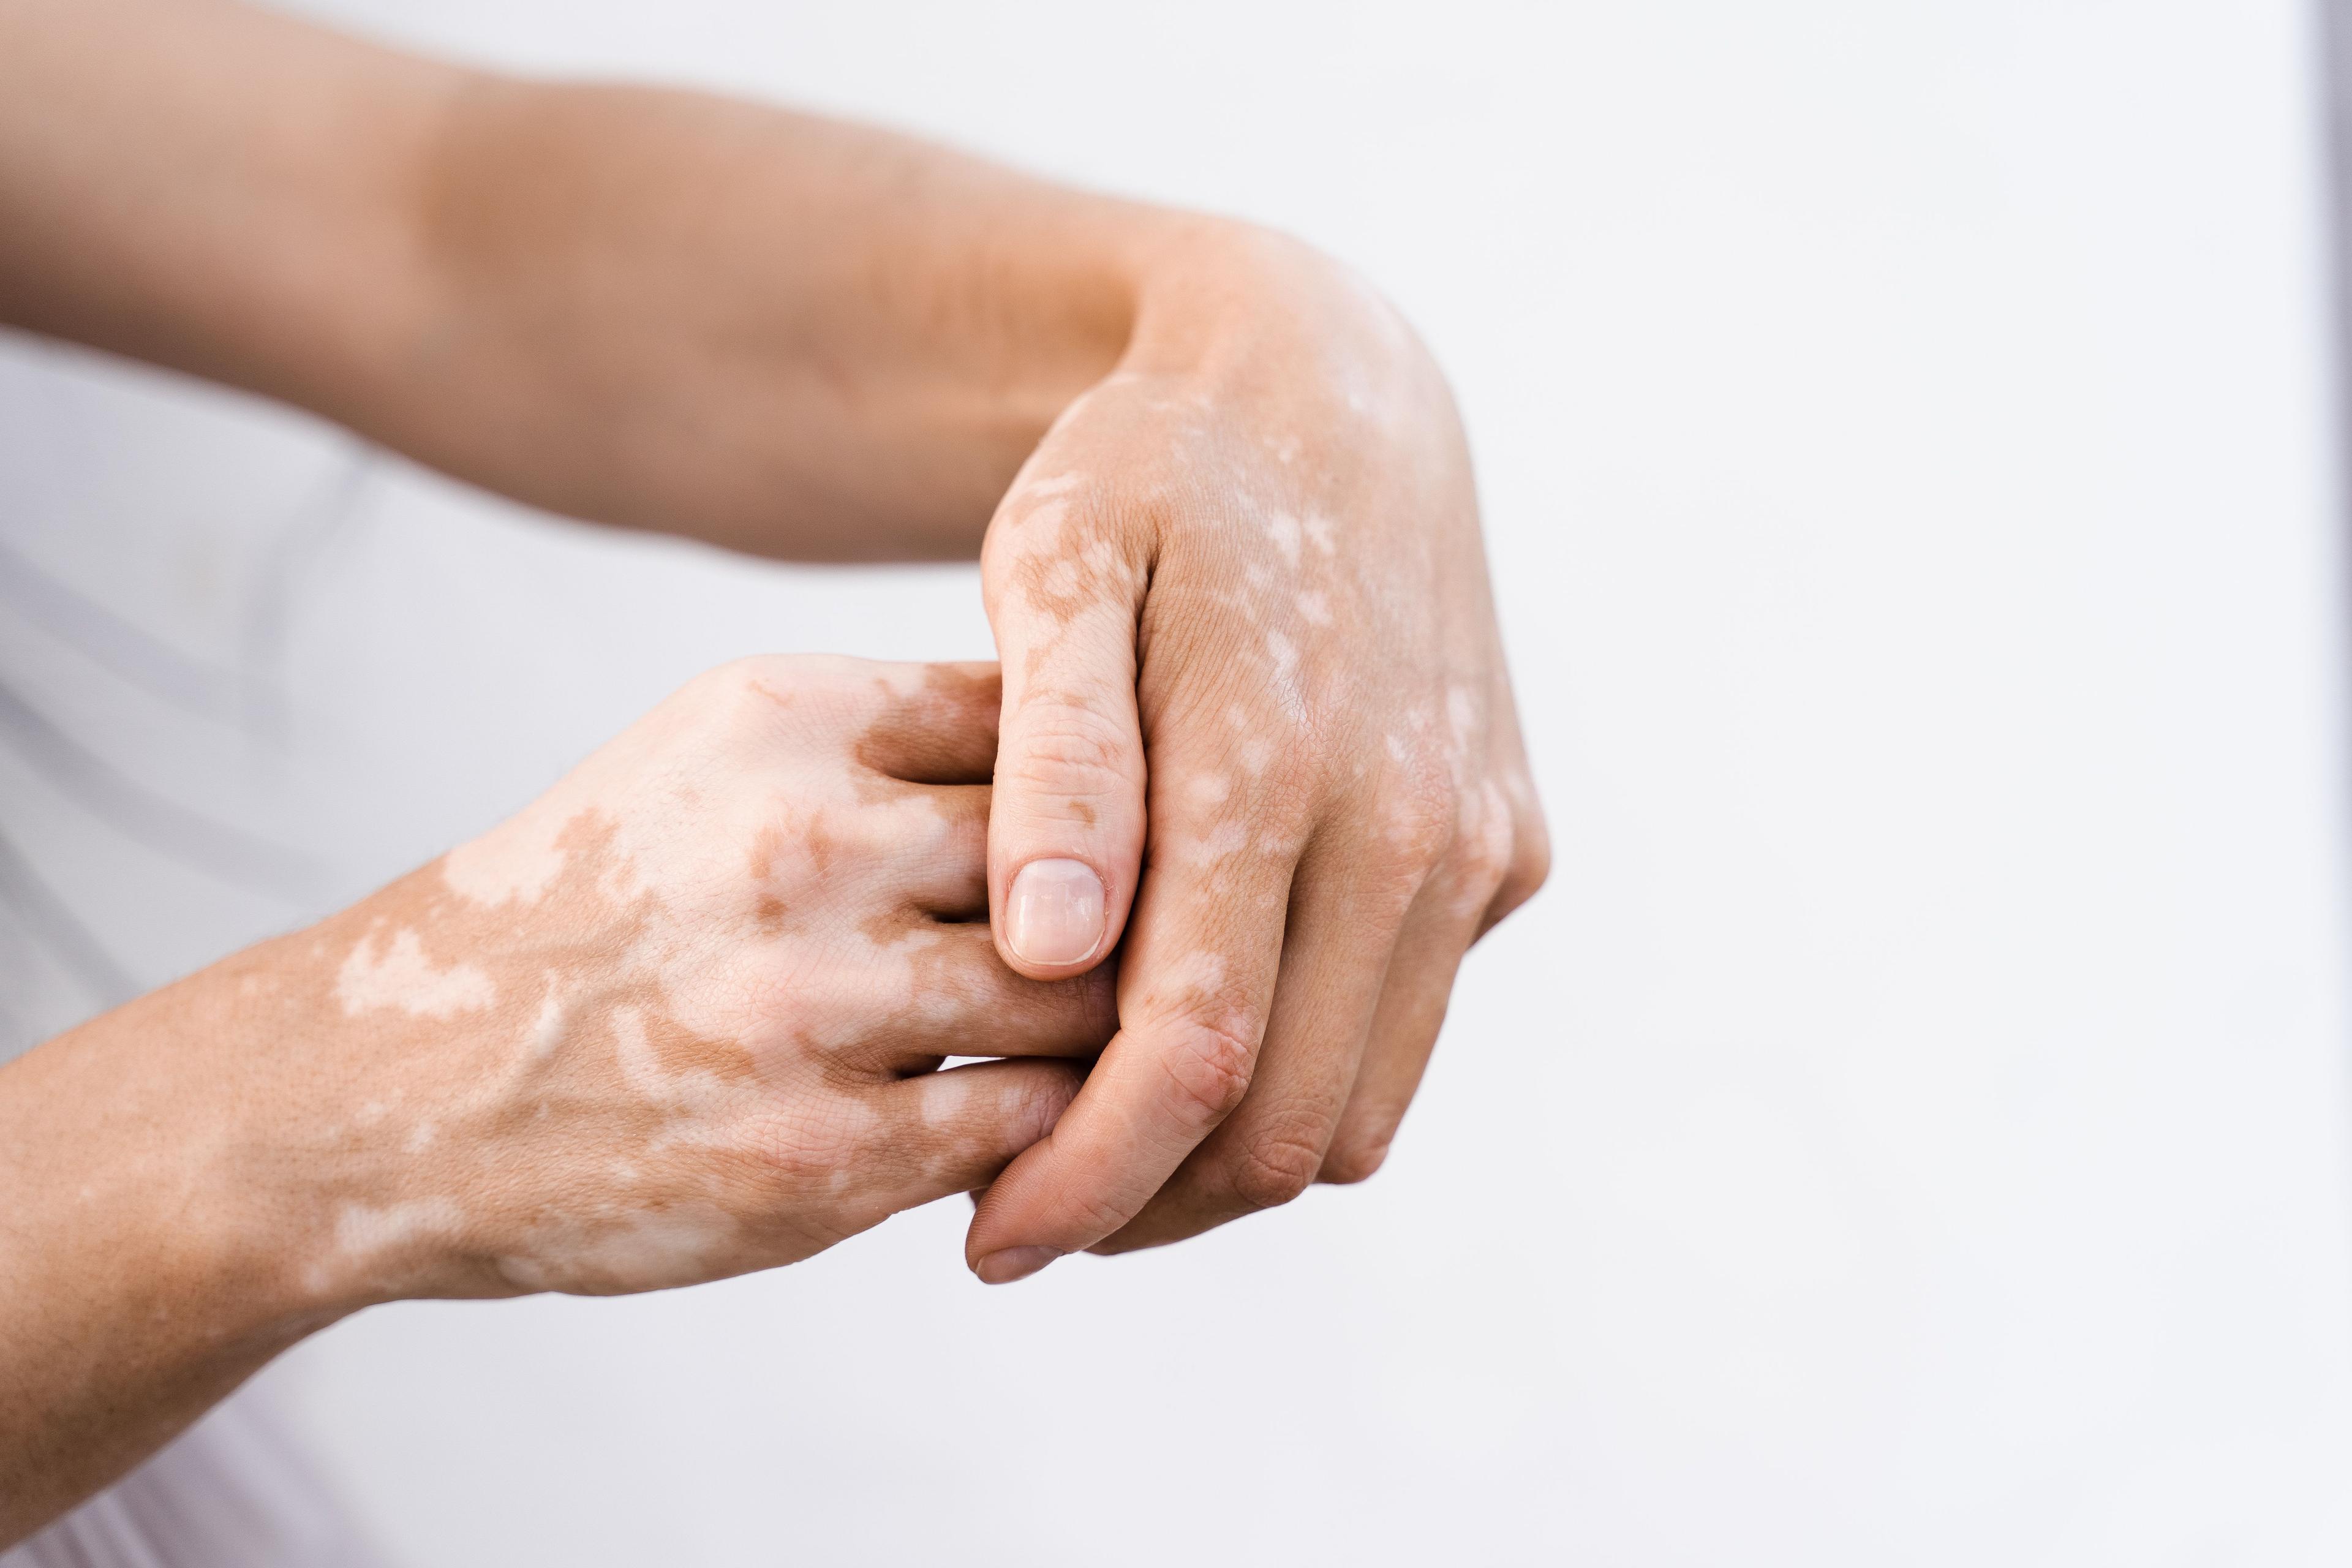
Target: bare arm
[680, 1019]
[1256, 723]
[654, 309]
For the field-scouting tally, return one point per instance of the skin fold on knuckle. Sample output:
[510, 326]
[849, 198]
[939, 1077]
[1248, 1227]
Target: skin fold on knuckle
[1530, 868]
[1272, 1168]
[1355, 1159]
[1206, 1065]
[1049, 1095]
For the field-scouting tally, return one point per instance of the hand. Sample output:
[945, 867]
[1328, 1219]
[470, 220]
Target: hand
[1256, 717]
[680, 1018]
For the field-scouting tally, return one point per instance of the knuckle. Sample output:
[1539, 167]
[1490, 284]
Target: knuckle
[1273, 1168]
[722, 685]
[792, 1148]
[1529, 867]
[1420, 816]
[1425, 832]
[1485, 872]
[1098, 1215]
[749, 695]
[1306, 770]
[1208, 1065]
[1353, 1160]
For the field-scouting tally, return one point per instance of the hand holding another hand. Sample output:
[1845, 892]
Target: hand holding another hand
[676, 1020]
[1257, 720]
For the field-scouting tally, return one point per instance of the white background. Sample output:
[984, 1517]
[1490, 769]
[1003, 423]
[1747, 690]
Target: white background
[1912, 1127]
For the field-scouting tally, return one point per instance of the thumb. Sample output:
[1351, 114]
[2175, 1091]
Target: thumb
[1065, 818]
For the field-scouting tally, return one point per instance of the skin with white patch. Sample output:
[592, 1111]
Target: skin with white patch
[673, 1022]
[396, 973]
[1269, 519]
[1239, 540]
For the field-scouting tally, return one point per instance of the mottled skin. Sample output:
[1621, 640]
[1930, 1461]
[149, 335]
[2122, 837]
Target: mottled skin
[1252, 688]
[680, 1019]
[1245, 625]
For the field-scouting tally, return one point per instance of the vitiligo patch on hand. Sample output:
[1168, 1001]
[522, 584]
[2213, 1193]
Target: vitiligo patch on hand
[694, 978]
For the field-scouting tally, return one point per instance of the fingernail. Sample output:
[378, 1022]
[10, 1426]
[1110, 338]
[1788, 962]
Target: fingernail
[1054, 912]
[1014, 1263]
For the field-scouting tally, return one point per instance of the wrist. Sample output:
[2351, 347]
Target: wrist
[323, 1196]
[215, 1141]
[146, 1266]
[1222, 298]
[226, 1187]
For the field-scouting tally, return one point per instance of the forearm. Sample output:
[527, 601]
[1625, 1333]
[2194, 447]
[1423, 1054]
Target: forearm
[678, 1019]
[215, 189]
[680, 312]
[648, 308]
[150, 1258]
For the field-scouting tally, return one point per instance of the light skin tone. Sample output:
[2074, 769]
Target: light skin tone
[680, 1019]
[1255, 736]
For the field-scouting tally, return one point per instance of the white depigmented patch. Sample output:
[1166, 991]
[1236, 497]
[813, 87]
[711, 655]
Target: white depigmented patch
[648, 1251]
[1044, 520]
[547, 1029]
[1315, 608]
[1105, 557]
[516, 864]
[1488, 831]
[634, 1051]
[1210, 789]
[1222, 841]
[420, 1137]
[1062, 579]
[400, 977]
[1194, 983]
[1283, 530]
[1461, 723]
[1321, 535]
[1277, 846]
[1285, 653]
[1046, 488]
[363, 1230]
[1400, 822]
[670, 1246]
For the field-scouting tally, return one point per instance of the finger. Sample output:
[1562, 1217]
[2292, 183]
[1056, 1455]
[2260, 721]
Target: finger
[1197, 979]
[1065, 838]
[952, 1132]
[962, 1002]
[936, 723]
[938, 851]
[1346, 907]
[1531, 853]
[1437, 930]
